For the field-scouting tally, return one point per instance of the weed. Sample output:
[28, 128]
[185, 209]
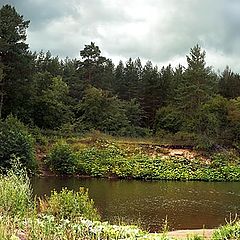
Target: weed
[69, 204]
[15, 193]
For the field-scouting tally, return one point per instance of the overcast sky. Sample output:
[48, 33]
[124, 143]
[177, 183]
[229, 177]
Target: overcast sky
[162, 31]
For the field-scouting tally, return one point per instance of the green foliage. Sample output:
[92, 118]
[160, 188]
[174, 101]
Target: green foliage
[196, 238]
[112, 162]
[16, 61]
[134, 132]
[211, 122]
[69, 204]
[51, 109]
[77, 96]
[197, 85]
[61, 158]
[15, 140]
[15, 192]
[94, 68]
[229, 231]
[169, 119]
[234, 119]
[133, 112]
[151, 93]
[40, 138]
[49, 227]
[100, 111]
[105, 159]
[98, 162]
[229, 84]
[217, 122]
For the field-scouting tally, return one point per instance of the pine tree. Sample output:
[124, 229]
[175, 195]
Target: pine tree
[14, 59]
[229, 84]
[198, 83]
[119, 84]
[150, 93]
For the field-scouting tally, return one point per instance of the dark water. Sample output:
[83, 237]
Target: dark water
[187, 205]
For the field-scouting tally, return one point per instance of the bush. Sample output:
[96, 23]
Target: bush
[133, 131]
[62, 158]
[112, 162]
[184, 138]
[15, 193]
[40, 139]
[69, 204]
[99, 161]
[168, 119]
[15, 140]
[229, 231]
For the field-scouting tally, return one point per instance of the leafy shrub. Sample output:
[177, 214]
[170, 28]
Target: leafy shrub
[15, 193]
[61, 158]
[16, 140]
[169, 119]
[229, 231]
[40, 138]
[133, 131]
[184, 138]
[69, 204]
[99, 162]
[101, 111]
[111, 162]
[204, 142]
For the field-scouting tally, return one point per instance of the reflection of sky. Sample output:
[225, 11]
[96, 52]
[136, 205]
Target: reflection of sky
[186, 204]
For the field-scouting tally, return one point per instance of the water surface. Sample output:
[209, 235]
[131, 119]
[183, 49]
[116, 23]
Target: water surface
[187, 205]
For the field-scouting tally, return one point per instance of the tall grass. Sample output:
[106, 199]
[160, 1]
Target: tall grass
[69, 205]
[15, 193]
[230, 231]
[8, 228]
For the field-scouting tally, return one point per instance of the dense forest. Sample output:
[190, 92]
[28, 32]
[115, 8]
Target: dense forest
[129, 99]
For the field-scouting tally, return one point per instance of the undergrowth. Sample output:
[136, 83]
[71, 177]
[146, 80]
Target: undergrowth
[105, 159]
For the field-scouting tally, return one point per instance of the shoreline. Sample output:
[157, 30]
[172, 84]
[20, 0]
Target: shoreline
[183, 234]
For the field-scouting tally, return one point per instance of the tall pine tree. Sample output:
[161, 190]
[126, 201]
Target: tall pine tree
[14, 59]
[198, 83]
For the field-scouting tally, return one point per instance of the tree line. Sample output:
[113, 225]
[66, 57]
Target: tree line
[129, 99]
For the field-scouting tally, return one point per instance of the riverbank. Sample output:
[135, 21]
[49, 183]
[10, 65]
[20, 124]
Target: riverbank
[148, 161]
[185, 234]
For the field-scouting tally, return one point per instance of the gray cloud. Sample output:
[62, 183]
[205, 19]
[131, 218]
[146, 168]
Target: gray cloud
[158, 30]
[41, 12]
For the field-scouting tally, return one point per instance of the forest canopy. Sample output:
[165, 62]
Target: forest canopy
[129, 99]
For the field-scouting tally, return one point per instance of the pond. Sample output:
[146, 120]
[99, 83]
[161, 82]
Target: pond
[185, 205]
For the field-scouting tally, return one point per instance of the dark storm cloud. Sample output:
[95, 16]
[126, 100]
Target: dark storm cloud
[158, 30]
[41, 12]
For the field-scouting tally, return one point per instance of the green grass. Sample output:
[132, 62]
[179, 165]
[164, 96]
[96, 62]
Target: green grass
[230, 231]
[69, 204]
[15, 194]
